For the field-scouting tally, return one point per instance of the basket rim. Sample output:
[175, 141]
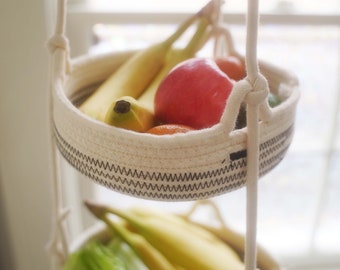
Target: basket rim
[79, 62]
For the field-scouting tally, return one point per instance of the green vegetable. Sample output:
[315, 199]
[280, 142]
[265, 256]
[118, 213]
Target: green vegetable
[75, 261]
[94, 256]
[273, 100]
[126, 254]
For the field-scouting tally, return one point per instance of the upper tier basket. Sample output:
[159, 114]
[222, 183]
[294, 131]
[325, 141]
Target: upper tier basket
[191, 166]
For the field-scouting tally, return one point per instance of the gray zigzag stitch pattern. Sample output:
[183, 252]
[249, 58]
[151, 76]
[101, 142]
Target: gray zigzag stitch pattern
[227, 178]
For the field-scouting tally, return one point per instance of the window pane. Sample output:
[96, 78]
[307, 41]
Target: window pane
[313, 54]
[327, 240]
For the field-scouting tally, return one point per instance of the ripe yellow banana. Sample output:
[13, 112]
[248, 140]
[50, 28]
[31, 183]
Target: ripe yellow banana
[146, 212]
[177, 243]
[127, 113]
[134, 75]
[174, 57]
[151, 257]
[237, 242]
[137, 115]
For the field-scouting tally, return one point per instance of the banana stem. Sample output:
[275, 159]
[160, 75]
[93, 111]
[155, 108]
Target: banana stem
[198, 39]
[128, 237]
[122, 106]
[100, 211]
[180, 30]
[207, 11]
[174, 57]
[96, 209]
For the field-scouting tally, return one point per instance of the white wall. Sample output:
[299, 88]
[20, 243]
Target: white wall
[25, 190]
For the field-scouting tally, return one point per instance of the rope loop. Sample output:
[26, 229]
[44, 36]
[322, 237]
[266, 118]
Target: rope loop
[58, 41]
[217, 16]
[252, 93]
[259, 91]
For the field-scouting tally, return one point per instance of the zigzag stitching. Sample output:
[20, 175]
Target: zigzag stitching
[273, 161]
[137, 188]
[121, 184]
[171, 197]
[274, 144]
[193, 194]
[182, 186]
[159, 176]
[162, 177]
[273, 141]
[77, 159]
[270, 150]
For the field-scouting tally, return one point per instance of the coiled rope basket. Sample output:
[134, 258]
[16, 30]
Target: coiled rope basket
[192, 166]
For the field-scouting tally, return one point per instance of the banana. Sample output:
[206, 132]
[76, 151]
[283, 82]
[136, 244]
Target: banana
[137, 115]
[134, 75]
[127, 113]
[174, 57]
[177, 243]
[237, 242]
[144, 212]
[151, 257]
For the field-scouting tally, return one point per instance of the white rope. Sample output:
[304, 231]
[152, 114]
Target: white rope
[254, 90]
[218, 18]
[251, 40]
[58, 246]
[256, 97]
[59, 40]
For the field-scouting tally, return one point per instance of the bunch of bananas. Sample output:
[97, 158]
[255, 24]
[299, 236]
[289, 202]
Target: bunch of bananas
[165, 241]
[126, 98]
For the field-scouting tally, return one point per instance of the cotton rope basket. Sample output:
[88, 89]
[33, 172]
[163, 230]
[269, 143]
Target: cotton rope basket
[196, 165]
[192, 166]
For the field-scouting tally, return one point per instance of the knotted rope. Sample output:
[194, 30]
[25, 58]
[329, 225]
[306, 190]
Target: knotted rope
[254, 99]
[58, 43]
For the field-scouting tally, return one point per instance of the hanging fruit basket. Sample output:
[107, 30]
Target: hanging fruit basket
[196, 165]
[190, 166]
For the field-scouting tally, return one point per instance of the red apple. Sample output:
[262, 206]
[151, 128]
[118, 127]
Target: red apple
[194, 93]
[232, 66]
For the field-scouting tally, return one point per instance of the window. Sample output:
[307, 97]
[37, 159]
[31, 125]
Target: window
[299, 201]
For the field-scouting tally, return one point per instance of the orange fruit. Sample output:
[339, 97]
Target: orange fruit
[167, 129]
[232, 66]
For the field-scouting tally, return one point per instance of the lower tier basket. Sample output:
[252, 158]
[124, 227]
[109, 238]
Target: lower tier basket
[265, 261]
[196, 165]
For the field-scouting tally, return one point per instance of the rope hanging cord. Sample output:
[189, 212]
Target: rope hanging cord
[260, 91]
[58, 46]
[256, 96]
